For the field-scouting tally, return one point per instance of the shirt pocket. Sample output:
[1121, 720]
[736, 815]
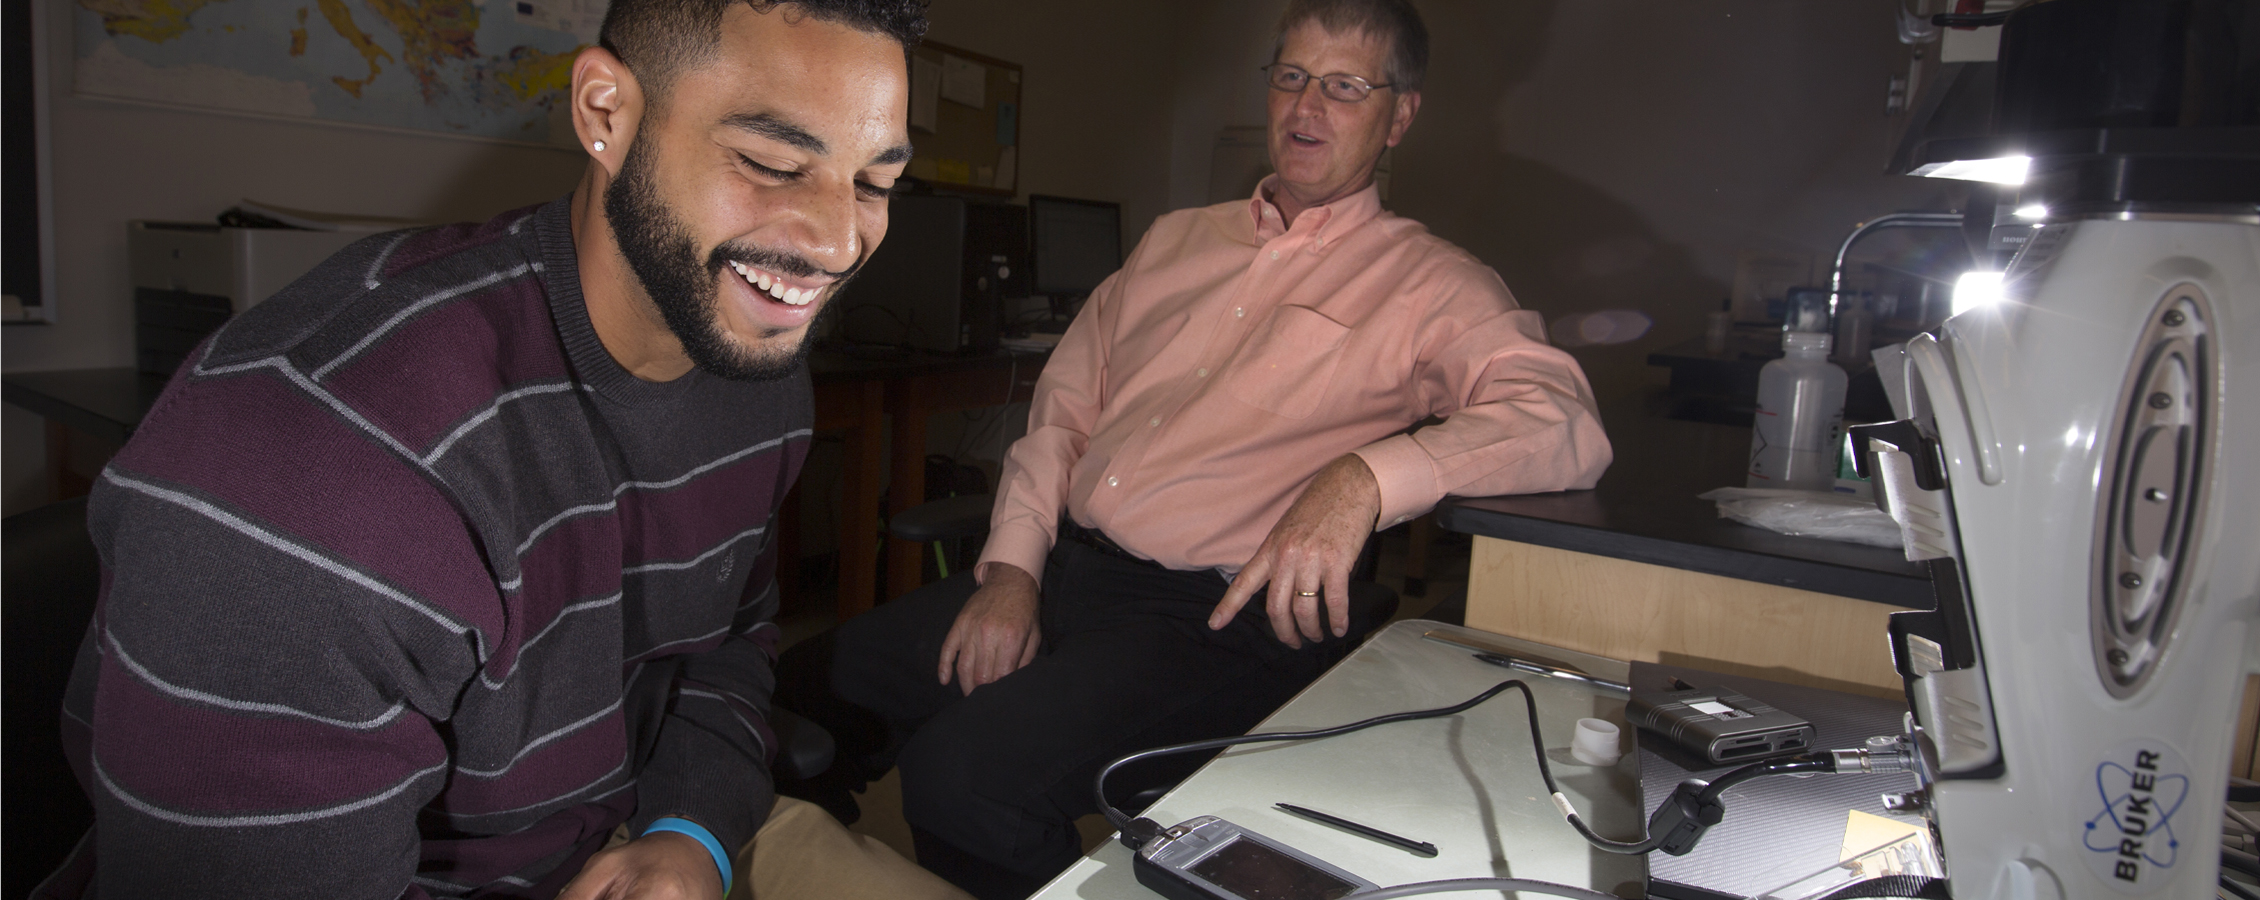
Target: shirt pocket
[1290, 365]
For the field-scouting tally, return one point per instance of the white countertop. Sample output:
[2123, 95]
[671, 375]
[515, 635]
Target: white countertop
[1466, 783]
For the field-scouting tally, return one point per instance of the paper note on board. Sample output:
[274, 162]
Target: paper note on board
[1008, 125]
[964, 81]
[925, 92]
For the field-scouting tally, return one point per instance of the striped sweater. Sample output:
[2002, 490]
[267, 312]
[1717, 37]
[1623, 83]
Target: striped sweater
[410, 590]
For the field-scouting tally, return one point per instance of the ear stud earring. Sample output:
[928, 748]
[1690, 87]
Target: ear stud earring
[599, 146]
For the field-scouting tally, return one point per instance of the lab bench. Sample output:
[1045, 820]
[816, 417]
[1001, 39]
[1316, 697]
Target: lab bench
[1640, 569]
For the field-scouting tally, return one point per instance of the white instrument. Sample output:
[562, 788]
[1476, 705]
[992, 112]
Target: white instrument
[2097, 436]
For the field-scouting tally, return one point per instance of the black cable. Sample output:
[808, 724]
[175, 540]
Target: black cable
[1121, 820]
[2231, 859]
[1675, 827]
[2238, 889]
[1759, 770]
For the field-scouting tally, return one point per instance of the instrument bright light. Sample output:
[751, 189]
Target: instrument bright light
[1998, 170]
[1976, 289]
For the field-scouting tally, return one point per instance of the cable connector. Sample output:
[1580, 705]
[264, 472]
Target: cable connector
[1684, 817]
[1136, 832]
[1881, 756]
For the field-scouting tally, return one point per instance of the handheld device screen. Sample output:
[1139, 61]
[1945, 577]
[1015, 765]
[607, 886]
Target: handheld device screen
[1258, 872]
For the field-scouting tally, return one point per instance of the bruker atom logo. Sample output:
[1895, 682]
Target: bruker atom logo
[2140, 786]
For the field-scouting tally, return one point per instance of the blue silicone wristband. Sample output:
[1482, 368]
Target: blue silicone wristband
[705, 838]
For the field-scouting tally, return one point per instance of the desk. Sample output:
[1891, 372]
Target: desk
[1466, 783]
[854, 397]
[1640, 569]
[103, 403]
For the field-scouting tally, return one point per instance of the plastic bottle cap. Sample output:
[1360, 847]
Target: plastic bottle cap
[1792, 341]
[1596, 743]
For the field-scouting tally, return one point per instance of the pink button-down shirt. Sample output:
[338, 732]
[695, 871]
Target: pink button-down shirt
[1232, 357]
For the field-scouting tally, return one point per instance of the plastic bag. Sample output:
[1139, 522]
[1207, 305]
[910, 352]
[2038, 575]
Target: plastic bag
[1836, 517]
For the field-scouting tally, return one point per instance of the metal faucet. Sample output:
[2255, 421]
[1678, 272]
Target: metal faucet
[1894, 220]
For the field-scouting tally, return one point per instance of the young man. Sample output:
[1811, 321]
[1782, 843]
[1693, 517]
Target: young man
[433, 572]
[1232, 402]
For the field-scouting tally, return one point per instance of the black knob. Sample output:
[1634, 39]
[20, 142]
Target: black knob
[2161, 400]
[2175, 317]
[2129, 580]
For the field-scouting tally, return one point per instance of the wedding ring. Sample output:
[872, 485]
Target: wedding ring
[1306, 593]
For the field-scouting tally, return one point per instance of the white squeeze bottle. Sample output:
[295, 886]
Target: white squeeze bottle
[1800, 416]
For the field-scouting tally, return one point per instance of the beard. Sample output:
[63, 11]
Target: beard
[664, 257]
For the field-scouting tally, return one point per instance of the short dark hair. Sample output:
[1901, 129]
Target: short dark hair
[1395, 22]
[658, 39]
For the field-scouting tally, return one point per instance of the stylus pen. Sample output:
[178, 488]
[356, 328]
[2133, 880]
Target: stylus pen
[1539, 668]
[1421, 847]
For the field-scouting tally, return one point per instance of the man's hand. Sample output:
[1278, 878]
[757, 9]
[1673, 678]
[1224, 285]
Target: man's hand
[660, 866]
[1309, 553]
[996, 632]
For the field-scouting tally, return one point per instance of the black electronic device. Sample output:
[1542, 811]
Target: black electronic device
[1720, 727]
[993, 230]
[1073, 245]
[995, 269]
[909, 293]
[932, 284]
[1207, 858]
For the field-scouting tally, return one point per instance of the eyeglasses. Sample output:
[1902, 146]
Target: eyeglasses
[1338, 86]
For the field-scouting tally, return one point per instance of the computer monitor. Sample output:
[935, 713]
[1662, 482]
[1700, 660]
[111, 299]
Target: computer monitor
[1073, 245]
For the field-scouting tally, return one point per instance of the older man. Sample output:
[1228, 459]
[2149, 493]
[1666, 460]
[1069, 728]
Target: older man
[1225, 420]
[446, 571]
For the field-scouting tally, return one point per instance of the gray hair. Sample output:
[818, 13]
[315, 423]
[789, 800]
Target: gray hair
[1395, 22]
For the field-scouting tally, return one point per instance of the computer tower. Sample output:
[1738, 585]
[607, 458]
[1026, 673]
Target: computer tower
[928, 286]
[909, 293]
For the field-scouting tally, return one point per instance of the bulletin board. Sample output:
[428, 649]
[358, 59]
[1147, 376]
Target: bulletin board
[965, 120]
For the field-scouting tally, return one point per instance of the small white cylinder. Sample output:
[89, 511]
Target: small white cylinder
[1596, 743]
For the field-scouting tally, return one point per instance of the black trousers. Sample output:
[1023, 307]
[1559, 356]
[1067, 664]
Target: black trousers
[992, 782]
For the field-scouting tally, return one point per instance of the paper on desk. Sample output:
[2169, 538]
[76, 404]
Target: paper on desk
[1835, 517]
[1874, 847]
[1866, 831]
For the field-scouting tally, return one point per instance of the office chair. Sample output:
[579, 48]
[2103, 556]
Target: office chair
[937, 522]
[52, 577]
